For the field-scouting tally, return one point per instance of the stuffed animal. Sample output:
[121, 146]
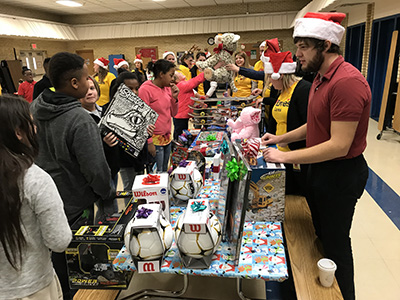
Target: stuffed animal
[227, 44]
[246, 126]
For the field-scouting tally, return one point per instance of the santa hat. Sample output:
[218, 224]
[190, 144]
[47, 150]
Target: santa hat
[322, 26]
[138, 58]
[263, 44]
[280, 63]
[119, 62]
[271, 46]
[102, 62]
[166, 53]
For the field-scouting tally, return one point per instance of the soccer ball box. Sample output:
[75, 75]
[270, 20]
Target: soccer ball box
[148, 243]
[197, 249]
[185, 189]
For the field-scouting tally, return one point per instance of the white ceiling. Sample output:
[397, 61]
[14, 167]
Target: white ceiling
[104, 6]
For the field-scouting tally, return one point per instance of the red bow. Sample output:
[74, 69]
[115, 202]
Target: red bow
[151, 179]
[219, 48]
[250, 147]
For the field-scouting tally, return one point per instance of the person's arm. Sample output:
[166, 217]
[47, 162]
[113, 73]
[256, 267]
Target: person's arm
[21, 90]
[174, 100]
[342, 136]
[252, 74]
[88, 149]
[49, 210]
[185, 86]
[211, 90]
[296, 135]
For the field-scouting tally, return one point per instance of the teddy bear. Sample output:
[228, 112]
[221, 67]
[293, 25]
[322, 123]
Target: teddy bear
[246, 126]
[226, 45]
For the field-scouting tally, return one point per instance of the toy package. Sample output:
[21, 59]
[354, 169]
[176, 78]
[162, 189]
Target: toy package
[92, 251]
[127, 117]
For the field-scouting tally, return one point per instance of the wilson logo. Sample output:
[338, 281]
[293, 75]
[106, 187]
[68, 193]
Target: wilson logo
[148, 267]
[144, 194]
[194, 228]
[181, 176]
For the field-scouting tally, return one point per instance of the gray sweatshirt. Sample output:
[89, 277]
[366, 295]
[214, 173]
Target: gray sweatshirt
[45, 228]
[71, 151]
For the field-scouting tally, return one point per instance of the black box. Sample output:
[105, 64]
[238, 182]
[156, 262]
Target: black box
[92, 251]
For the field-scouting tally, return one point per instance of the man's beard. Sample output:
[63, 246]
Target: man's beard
[315, 64]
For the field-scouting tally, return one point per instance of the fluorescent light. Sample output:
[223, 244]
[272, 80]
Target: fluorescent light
[27, 63]
[69, 3]
[159, 0]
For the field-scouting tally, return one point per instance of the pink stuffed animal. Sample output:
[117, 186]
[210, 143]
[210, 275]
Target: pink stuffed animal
[246, 126]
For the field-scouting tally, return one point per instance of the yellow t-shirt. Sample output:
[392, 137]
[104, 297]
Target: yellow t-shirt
[185, 71]
[243, 85]
[280, 111]
[105, 89]
[259, 66]
[200, 87]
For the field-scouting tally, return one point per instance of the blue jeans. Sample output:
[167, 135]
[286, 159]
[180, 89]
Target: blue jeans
[162, 157]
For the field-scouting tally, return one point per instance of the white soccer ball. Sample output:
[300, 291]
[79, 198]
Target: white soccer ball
[147, 243]
[186, 189]
[198, 245]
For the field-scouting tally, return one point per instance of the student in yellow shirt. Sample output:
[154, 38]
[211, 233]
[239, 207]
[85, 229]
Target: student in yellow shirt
[104, 79]
[187, 62]
[289, 112]
[243, 84]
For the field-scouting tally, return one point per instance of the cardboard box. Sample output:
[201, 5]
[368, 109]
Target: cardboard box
[153, 193]
[267, 192]
[185, 173]
[92, 251]
[152, 222]
[196, 222]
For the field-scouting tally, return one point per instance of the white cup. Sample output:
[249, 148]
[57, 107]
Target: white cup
[327, 270]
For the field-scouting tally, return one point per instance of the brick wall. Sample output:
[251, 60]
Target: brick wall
[7, 45]
[173, 43]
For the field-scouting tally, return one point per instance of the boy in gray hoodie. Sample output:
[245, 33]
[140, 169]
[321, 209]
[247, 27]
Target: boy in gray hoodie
[70, 145]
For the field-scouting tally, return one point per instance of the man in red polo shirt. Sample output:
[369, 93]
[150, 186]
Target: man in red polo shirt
[26, 88]
[336, 129]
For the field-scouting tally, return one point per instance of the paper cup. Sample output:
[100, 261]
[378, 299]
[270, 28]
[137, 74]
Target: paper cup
[327, 270]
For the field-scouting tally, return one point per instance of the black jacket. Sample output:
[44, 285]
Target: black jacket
[297, 112]
[41, 85]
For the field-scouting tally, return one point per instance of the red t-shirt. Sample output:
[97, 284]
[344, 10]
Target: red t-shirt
[25, 90]
[342, 94]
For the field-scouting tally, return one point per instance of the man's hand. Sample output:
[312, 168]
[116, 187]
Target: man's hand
[270, 139]
[273, 155]
[110, 139]
[174, 91]
[150, 129]
[152, 149]
[232, 67]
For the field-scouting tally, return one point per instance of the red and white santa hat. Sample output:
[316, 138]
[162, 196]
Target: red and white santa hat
[119, 62]
[322, 26]
[102, 62]
[138, 58]
[271, 46]
[280, 63]
[166, 53]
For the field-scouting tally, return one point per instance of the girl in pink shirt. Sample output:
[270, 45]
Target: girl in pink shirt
[161, 94]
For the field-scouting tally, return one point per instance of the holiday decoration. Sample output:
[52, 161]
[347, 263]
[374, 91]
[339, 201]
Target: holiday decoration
[226, 45]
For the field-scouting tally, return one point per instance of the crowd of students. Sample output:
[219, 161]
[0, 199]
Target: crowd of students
[55, 165]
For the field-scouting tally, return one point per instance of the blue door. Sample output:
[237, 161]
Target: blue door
[111, 65]
[381, 38]
[355, 44]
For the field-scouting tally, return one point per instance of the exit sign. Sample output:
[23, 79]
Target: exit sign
[34, 46]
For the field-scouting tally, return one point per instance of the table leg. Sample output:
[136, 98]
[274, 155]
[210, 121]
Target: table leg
[160, 293]
[240, 292]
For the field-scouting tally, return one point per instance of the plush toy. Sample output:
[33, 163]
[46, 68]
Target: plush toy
[226, 45]
[246, 126]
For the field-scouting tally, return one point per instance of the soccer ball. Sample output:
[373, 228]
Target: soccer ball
[198, 245]
[186, 189]
[147, 243]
